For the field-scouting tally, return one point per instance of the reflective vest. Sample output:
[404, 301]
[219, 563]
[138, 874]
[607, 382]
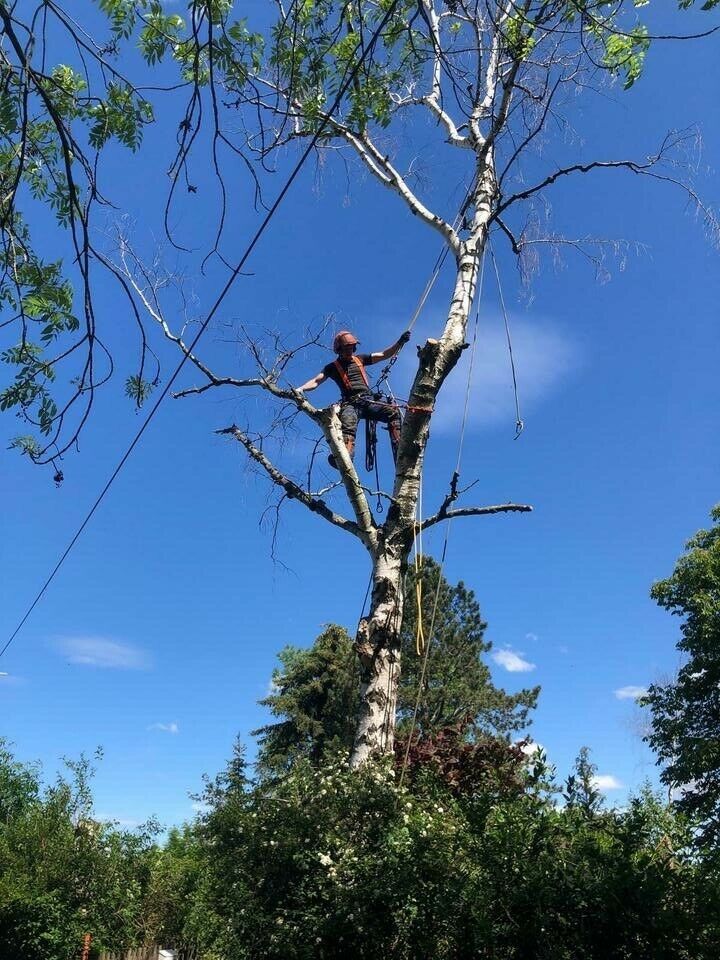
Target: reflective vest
[346, 379]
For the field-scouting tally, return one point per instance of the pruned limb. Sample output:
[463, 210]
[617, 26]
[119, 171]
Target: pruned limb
[292, 490]
[474, 512]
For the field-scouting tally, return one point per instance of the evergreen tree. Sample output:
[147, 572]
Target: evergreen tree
[315, 696]
[686, 711]
[457, 681]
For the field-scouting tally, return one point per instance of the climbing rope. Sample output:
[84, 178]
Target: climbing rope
[419, 558]
[518, 419]
[385, 372]
[446, 540]
[422, 641]
[422, 645]
[439, 263]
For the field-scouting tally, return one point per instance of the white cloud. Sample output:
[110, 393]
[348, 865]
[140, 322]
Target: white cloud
[630, 693]
[513, 662]
[165, 727]
[606, 781]
[563, 648]
[10, 680]
[677, 793]
[544, 357]
[532, 637]
[530, 749]
[106, 654]
[273, 687]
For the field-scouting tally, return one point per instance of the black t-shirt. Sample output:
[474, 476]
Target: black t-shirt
[357, 384]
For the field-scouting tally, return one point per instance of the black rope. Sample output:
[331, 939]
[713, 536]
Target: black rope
[344, 87]
[519, 425]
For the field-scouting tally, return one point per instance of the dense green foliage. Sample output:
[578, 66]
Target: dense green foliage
[63, 873]
[331, 863]
[686, 711]
[55, 121]
[315, 695]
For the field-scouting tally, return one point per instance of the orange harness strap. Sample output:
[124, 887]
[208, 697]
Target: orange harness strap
[344, 376]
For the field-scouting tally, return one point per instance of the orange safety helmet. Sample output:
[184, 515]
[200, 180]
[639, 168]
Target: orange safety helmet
[344, 339]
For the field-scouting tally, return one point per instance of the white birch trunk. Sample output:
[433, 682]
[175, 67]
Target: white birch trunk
[378, 637]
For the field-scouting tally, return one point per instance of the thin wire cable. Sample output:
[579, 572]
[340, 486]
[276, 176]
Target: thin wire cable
[344, 87]
[446, 540]
[519, 425]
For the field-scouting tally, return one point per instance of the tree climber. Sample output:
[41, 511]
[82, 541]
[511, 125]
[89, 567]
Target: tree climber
[358, 402]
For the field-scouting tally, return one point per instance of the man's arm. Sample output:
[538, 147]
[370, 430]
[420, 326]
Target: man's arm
[391, 351]
[313, 382]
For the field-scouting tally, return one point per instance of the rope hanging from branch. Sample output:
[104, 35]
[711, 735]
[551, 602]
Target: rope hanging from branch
[518, 419]
[456, 475]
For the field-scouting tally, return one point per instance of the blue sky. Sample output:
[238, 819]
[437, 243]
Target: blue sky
[161, 631]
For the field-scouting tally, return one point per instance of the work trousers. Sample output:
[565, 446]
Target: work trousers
[364, 407]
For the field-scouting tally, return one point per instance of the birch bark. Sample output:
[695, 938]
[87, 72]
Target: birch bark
[378, 635]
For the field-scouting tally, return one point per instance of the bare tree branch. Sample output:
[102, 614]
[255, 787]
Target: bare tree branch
[474, 512]
[292, 490]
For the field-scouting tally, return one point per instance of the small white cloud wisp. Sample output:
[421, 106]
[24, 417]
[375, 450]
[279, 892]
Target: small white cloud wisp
[513, 662]
[103, 653]
[606, 781]
[630, 693]
[165, 727]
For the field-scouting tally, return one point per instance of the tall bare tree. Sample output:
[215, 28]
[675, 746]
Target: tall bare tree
[493, 76]
[496, 78]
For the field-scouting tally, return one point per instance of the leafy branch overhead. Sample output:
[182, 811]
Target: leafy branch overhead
[492, 76]
[55, 120]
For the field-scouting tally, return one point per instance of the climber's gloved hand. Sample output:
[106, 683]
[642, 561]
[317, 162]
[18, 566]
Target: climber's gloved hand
[404, 337]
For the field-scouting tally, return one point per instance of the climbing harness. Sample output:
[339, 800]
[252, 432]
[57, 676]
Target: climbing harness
[371, 462]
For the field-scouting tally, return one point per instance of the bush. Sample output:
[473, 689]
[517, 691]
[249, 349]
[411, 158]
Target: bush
[63, 873]
[338, 864]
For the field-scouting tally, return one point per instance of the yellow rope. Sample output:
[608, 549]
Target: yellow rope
[418, 532]
[419, 557]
